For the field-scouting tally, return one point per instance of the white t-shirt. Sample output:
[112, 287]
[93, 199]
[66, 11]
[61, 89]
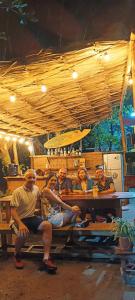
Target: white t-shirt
[25, 201]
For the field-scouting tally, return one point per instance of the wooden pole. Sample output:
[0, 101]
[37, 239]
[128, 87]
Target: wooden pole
[16, 161]
[132, 41]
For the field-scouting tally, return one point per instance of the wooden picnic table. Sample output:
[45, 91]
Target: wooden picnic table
[102, 201]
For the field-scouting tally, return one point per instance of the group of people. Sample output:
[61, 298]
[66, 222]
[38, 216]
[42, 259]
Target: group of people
[54, 212]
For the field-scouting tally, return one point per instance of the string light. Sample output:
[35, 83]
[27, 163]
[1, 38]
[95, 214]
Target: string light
[74, 75]
[30, 148]
[7, 138]
[21, 140]
[106, 56]
[130, 81]
[129, 78]
[133, 114]
[12, 98]
[43, 88]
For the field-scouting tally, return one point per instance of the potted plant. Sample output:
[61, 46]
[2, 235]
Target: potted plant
[125, 231]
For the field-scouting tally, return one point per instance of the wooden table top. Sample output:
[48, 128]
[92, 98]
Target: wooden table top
[100, 196]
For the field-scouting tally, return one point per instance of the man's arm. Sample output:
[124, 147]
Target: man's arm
[23, 230]
[110, 190]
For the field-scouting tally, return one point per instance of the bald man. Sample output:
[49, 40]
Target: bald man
[24, 201]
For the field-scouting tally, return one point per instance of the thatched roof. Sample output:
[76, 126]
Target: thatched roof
[67, 103]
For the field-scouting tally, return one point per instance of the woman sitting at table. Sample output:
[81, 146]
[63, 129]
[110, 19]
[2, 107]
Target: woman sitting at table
[83, 183]
[52, 211]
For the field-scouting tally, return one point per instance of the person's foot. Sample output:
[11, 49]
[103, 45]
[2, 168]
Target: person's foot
[18, 261]
[48, 265]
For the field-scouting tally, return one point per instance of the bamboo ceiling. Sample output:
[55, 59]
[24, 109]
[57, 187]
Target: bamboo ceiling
[68, 103]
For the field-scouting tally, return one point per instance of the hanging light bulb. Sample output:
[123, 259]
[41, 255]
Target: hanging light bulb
[130, 81]
[106, 56]
[30, 148]
[27, 143]
[21, 140]
[7, 138]
[14, 138]
[94, 51]
[43, 88]
[74, 75]
[12, 98]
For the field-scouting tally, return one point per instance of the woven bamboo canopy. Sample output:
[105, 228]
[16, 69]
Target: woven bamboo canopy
[68, 102]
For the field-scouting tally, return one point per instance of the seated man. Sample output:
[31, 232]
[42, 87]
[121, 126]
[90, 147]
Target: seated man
[23, 204]
[105, 184]
[63, 184]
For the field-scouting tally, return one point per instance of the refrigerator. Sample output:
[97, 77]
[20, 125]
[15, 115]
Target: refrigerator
[113, 166]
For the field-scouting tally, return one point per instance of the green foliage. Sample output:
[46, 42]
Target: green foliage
[124, 229]
[106, 136]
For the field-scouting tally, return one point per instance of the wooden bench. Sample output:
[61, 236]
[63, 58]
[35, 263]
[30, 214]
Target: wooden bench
[5, 230]
[103, 229]
[94, 229]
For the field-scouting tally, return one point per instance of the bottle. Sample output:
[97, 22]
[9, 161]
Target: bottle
[80, 153]
[65, 153]
[95, 191]
[61, 152]
[48, 152]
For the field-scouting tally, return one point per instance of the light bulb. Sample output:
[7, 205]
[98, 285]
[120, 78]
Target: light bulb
[130, 81]
[14, 138]
[30, 148]
[74, 75]
[12, 98]
[7, 138]
[106, 56]
[21, 140]
[133, 114]
[43, 88]
[27, 143]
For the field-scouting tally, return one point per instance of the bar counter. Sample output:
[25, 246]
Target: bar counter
[14, 182]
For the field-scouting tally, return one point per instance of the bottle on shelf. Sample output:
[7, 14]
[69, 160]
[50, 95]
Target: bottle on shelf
[80, 153]
[65, 153]
[61, 152]
[68, 151]
[73, 151]
[56, 152]
[51, 152]
[48, 152]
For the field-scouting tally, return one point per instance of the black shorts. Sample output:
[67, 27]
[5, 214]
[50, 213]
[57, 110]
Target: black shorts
[33, 223]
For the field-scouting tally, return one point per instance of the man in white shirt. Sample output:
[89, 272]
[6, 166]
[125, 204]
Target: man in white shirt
[24, 201]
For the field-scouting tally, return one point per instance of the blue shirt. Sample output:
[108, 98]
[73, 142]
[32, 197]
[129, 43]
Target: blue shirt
[66, 184]
[78, 186]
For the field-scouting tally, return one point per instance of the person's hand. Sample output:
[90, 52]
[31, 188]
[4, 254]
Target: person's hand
[23, 230]
[75, 209]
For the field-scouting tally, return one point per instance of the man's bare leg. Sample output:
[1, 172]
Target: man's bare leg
[18, 245]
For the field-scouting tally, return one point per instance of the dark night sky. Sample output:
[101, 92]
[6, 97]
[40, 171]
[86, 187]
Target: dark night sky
[65, 23]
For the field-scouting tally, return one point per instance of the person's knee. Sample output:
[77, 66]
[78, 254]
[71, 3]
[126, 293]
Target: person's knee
[45, 226]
